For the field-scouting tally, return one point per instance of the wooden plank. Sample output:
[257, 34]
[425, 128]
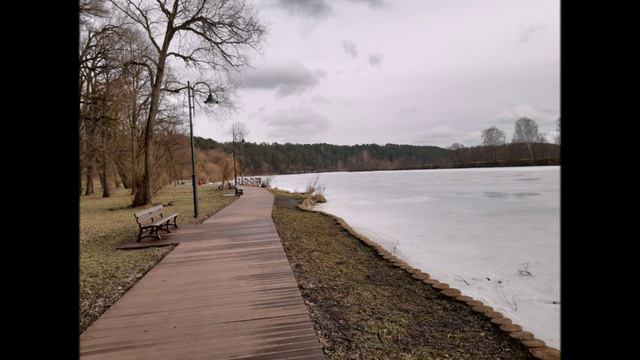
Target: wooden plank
[148, 211]
[226, 291]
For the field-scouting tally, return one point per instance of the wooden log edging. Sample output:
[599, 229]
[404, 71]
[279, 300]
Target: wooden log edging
[536, 347]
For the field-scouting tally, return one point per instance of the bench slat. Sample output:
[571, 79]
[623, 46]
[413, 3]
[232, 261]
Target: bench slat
[164, 220]
[161, 221]
[146, 221]
[149, 210]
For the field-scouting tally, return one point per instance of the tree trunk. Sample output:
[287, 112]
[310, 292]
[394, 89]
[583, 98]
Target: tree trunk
[122, 172]
[80, 182]
[116, 178]
[134, 159]
[143, 196]
[89, 179]
[104, 180]
[106, 187]
[137, 193]
[529, 147]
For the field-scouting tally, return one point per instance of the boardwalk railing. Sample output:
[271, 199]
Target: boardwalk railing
[250, 180]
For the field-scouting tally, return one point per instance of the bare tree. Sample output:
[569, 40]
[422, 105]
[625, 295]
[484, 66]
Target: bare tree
[91, 9]
[493, 136]
[203, 34]
[238, 131]
[98, 76]
[457, 147]
[541, 138]
[526, 131]
[137, 94]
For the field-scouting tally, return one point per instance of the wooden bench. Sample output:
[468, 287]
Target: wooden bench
[153, 219]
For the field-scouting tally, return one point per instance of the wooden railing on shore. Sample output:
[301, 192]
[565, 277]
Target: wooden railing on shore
[250, 180]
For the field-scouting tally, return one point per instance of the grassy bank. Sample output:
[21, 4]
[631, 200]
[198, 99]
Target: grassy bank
[106, 273]
[364, 308]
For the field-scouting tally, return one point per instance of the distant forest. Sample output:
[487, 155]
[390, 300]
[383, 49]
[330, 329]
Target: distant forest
[275, 158]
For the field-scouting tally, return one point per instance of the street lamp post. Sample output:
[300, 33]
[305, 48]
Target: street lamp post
[194, 175]
[233, 149]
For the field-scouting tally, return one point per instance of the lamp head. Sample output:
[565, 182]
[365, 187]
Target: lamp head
[211, 100]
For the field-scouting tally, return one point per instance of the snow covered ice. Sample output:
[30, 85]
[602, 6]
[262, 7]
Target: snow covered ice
[493, 233]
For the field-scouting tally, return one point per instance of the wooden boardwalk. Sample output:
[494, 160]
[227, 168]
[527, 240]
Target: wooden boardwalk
[226, 292]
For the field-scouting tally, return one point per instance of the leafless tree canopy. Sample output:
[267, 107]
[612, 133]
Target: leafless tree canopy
[493, 136]
[526, 131]
[130, 53]
[239, 131]
[202, 34]
[91, 9]
[215, 34]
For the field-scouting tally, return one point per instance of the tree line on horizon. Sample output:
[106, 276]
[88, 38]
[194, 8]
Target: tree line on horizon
[528, 147]
[527, 144]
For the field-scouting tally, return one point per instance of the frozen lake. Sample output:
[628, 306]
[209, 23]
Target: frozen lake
[493, 233]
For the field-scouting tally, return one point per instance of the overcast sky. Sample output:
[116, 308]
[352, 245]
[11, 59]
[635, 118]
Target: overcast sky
[422, 72]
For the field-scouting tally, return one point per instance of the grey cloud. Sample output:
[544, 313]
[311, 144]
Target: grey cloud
[321, 100]
[350, 48]
[296, 124]
[528, 32]
[539, 114]
[319, 8]
[288, 78]
[375, 59]
[372, 3]
[310, 8]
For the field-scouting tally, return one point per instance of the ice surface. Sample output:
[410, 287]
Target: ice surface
[493, 233]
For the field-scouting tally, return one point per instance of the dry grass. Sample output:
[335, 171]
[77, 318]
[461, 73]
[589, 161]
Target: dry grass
[364, 308]
[106, 273]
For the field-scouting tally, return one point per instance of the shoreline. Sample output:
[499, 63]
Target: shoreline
[492, 233]
[535, 346]
[435, 167]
